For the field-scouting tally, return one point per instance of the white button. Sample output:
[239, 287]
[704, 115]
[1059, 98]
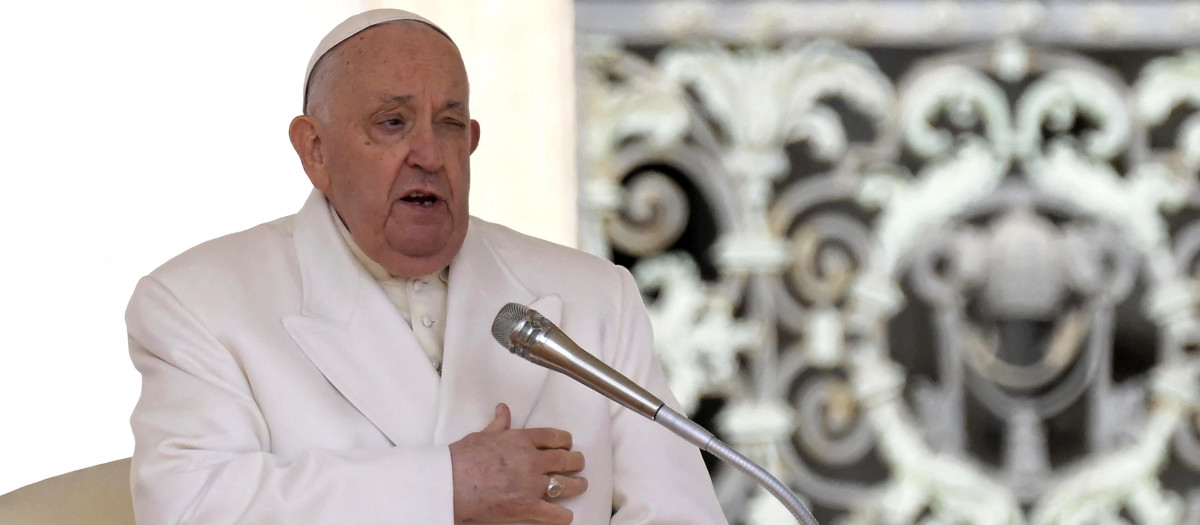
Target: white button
[418, 286]
[427, 321]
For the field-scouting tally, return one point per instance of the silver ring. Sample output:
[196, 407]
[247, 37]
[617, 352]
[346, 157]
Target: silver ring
[554, 488]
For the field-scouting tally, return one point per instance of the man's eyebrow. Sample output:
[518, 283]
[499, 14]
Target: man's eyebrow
[398, 99]
[454, 105]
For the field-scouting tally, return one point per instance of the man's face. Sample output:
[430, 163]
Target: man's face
[391, 140]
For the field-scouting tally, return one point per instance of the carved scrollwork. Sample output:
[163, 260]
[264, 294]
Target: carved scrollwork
[835, 432]
[1165, 85]
[824, 255]
[961, 287]
[764, 99]
[1061, 351]
[695, 334]
[653, 214]
[966, 96]
[1060, 99]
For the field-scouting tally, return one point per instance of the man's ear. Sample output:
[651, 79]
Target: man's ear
[307, 142]
[474, 135]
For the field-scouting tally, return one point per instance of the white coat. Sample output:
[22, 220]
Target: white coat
[280, 385]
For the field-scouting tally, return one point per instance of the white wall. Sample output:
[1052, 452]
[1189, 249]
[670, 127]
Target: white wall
[131, 130]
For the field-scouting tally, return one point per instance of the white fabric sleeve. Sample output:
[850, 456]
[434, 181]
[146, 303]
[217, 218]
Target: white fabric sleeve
[202, 445]
[658, 478]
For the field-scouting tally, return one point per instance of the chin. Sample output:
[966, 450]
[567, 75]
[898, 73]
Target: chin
[415, 263]
[426, 252]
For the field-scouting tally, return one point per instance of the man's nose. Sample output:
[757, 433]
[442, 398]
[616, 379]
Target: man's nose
[424, 150]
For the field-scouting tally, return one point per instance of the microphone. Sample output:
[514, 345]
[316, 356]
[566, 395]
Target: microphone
[526, 333]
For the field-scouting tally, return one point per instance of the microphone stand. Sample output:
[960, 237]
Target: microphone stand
[529, 335]
[697, 435]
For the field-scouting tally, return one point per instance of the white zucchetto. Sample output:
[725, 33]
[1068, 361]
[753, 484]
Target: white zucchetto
[352, 26]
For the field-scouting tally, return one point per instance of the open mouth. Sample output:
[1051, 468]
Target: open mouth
[421, 198]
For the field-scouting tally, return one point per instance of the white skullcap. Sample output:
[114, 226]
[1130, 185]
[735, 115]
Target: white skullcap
[353, 26]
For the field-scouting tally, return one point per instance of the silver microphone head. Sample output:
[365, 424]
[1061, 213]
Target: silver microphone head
[529, 335]
[508, 322]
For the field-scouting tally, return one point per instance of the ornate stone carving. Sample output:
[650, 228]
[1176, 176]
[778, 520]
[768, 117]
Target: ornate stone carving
[957, 287]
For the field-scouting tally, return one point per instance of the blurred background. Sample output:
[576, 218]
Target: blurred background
[927, 261]
[930, 262]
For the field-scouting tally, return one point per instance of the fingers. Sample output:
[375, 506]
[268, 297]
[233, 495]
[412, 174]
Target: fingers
[551, 514]
[501, 474]
[559, 460]
[548, 511]
[571, 486]
[549, 437]
[501, 421]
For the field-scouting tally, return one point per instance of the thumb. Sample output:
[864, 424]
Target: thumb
[502, 421]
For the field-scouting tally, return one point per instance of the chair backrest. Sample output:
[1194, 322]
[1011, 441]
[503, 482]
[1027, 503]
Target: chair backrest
[96, 495]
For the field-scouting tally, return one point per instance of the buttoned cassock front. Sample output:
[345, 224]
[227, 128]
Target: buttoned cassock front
[280, 385]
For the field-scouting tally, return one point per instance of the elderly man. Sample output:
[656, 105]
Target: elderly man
[337, 366]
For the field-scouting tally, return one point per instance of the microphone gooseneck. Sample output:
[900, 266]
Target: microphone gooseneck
[528, 334]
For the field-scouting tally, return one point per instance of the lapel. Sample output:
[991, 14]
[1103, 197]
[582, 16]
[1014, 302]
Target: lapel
[351, 331]
[478, 373]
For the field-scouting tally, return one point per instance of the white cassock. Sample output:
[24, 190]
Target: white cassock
[280, 384]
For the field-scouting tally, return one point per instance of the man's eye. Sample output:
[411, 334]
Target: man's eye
[452, 122]
[393, 122]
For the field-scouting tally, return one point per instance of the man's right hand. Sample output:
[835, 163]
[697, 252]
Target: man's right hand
[501, 474]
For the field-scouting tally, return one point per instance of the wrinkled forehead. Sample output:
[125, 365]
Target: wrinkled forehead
[353, 26]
